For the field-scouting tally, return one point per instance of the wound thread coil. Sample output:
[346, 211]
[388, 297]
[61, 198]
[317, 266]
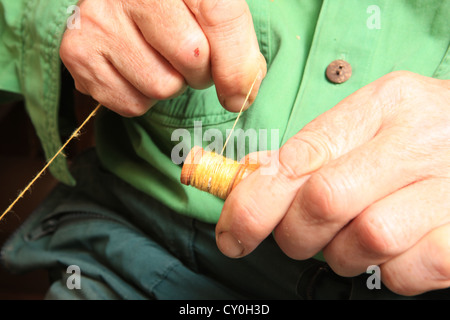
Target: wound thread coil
[213, 173]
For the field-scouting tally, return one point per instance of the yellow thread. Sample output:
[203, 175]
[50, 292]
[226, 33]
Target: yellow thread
[240, 112]
[74, 135]
[214, 174]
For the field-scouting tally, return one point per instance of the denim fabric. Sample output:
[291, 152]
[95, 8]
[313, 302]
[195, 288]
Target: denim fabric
[129, 246]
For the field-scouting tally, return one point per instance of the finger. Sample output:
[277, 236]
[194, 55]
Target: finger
[259, 157]
[141, 64]
[134, 63]
[259, 202]
[236, 60]
[113, 91]
[342, 189]
[389, 227]
[183, 43]
[95, 76]
[251, 212]
[422, 268]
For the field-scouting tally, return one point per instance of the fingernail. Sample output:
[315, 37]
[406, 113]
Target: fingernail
[235, 103]
[260, 75]
[229, 245]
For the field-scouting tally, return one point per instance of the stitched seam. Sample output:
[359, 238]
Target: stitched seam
[51, 88]
[303, 86]
[442, 66]
[51, 97]
[23, 36]
[163, 277]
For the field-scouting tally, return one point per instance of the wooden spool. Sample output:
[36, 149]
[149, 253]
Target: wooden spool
[213, 173]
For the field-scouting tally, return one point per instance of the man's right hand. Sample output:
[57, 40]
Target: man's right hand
[129, 54]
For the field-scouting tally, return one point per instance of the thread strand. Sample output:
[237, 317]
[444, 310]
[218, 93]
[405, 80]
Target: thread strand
[28, 187]
[239, 115]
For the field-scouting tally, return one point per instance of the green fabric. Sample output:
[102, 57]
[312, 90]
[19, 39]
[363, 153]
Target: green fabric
[298, 39]
[143, 156]
[30, 33]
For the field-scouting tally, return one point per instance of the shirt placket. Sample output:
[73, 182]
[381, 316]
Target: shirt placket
[341, 47]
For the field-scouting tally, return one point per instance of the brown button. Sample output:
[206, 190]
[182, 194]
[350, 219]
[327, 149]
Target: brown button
[339, 71]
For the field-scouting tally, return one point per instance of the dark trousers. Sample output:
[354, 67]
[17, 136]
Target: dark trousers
[126, 245]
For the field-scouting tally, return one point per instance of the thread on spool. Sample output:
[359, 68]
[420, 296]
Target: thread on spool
[213, 173]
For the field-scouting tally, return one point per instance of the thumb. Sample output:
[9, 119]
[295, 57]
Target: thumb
[236, 60]
[260, 201]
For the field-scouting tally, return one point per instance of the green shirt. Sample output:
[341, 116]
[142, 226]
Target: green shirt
[298, 38]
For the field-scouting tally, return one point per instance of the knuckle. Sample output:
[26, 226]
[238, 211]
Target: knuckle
[217, 12]
[71, 52]
[290, 161]
[396, 283]
[399, 78]
[80, 87]
[64, 52]
[248, 217]
[441, 266]
[129, 109]
[339, 263]
[287, 168]
[399, 84]
[432, 270]
[132, 110]
[320, 200]
[303, 154]
[165, 87]
[232, 80]
[99, 95]
[439, 247]
[290, 242]
[309, 150]
[376, 238]
[292, 251]
[399, 75]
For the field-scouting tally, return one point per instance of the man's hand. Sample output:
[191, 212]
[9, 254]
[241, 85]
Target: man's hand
[367, 182]
[130, 54]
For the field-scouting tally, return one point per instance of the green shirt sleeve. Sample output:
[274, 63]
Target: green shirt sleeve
[31, 33]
